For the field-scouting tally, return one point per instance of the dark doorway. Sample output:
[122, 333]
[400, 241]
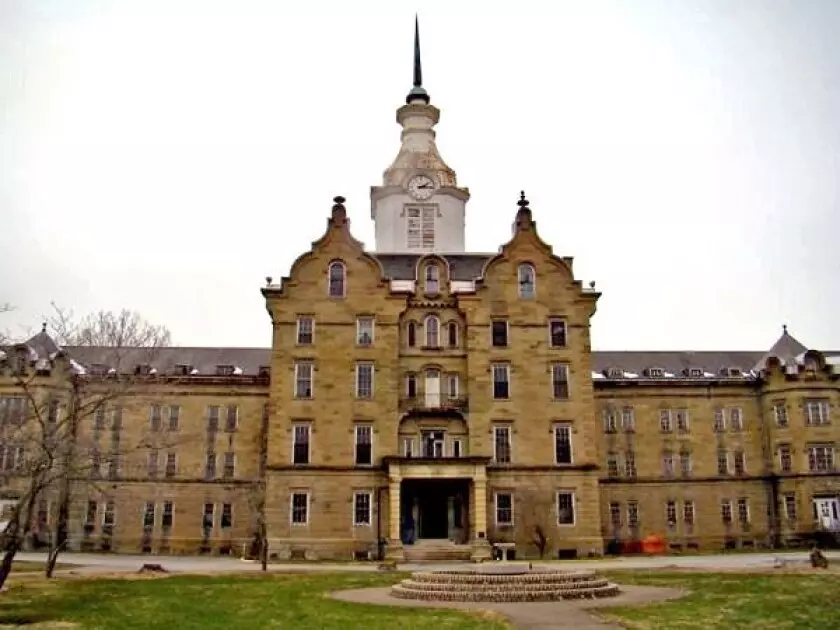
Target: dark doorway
[434, 509]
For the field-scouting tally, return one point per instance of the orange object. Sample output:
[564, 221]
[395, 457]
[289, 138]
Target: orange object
[653, 544]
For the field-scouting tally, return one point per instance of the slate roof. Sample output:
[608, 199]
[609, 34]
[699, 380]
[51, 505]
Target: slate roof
[462, 267]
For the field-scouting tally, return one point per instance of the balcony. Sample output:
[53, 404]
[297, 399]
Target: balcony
[434, 404]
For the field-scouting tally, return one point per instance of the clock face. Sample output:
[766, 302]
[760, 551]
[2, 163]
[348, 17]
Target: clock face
[421, 187]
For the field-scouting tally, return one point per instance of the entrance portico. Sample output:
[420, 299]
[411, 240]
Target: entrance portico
[437, 498]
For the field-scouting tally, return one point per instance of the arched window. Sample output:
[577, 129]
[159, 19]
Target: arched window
[432, 283]
[337, 275]
[411, 332]
[432, 332]
[527, 282]
[452, 333]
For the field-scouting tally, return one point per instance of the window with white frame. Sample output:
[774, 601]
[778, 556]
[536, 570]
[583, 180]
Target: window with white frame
[336, 285]
[743, 511]
[432, 326]
[432, 279]
[790, 507]
[174, 417]
[149, 517]
[364, 330]
[682, 420]
[171, 464]
[364, 380]
[364, 445]
[820, 458]
[628, 420]
[720, 421]
[615, 515]
[501, 381]
[610, 420]
[562, 444]
[300, 508]
[736, 419]
[785, 459]
[304, 376]
[155, 417]
[499, 333]
[452, 383]
[665, 421]
[226, 520]
[213, 418]
[726, 511]
[630, 463]
[612, 465]
[457, 447]
[501, 444]
[408, 447]
[232, 418]
[633, 515]
[557, 333]
[685, 463]
[739, 462]
[300, 443]
[781, 414]
[668, 464]
[560, 381]
[167, 517]
[504, 508]
[671, 513]
[411, 385]
[688, 512]
[305, 330]
[565, 507]
[816, 412]
[527, 281]
[362, 508]
[722, 462]
[229, 470]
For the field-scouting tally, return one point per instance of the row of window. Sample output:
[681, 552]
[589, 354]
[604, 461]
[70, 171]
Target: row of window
[158, 514]
[11, 457]
[165, 465]
[564, 508]
[674, 515]
[337, 280]
[304, 385]
[300, 508]
[816, 413]
[503, 448]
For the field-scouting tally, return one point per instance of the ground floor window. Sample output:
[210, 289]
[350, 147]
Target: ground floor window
[362, 508]
[565, 507]
[300, 508]
[504, 508]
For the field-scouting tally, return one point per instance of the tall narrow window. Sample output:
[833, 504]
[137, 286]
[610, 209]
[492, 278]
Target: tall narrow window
[432, 280]
[785, 460]
[305, 331]
[171, 464]
[501, 381]
[300, 444]
[780, 411]
[413, 228]
[300, 508]
[560, 381]
[226, 522]
[428, 228]
[432, 332]
[364, 445]
[337, 274]
[411, 386]
[149, 517]
[557, 333]
[504, 508]
[501, 444]
[566, 508]
[167, 517]
[364, 380]
[155, 417]
[364, 331]
[563, 444]
[229, 470]
[411, 334]
[499, 333]
[527, 282]
[303, 379]
[362, 508]
[213, 418]
[452, 332]
[231, 418]
[174, 417]
[452, 384]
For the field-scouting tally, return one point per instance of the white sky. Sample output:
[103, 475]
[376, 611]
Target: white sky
[166, 156]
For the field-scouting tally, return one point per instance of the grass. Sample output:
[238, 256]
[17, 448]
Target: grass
[808, 601]
[22, 566]
[206, 602]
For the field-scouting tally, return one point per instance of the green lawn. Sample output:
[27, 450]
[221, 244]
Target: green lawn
[207, 602]
[731, 600]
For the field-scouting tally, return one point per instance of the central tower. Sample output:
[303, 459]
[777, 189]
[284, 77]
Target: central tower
[419, 206]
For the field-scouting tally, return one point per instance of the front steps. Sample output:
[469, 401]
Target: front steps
[433, 550]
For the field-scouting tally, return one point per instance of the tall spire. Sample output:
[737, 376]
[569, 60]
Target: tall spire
[417, 92]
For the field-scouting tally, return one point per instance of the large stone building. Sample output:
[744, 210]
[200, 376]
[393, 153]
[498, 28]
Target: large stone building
[423, 400]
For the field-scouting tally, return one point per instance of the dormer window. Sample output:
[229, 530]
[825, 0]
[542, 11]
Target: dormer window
[527, 282]
[143, 369]
[264, 371]
[98, 369]
[432, 332]
[183, 369]
[730, 371]
[694, 372]
[432, 280]
[655, 372]
[336, 274]
[225, 370]
[614, 372]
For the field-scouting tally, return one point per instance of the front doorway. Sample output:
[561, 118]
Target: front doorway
[434, 509]
[827, 513]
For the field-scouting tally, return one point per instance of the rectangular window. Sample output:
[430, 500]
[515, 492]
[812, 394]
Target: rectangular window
[452, 386]
[499, 333]
[612, 465]
[428, 228]
[740, 462]
[99, 419]
[300, 508]
[685, 463]
[504, 508]
[152, 464]
[688, 512]
[231, 418]
[230, 466]
[557, 333]
[174, 417]
[630, 464]
[615, 515]
[736, 419]
[364, 445]
[171, 465]
[784, 458]
[149, 517]
[665, 421]
[720, 421]
[560, 381]
[411, 385]
[155, 417]
[633, 515]
[116, 420]
[668, 464]
[213, 418]
[781, 415]
[432, 443]
[501, 444]
[501, 381]
[628, 420]
[563, 444]
[362, 508]
[726, 511]
[300, 445]
[53, 413]
[109, 518]
[671, 513]
[364, 331]
[414, 228]
[210, 466]
[743, 511]
[208, 518]
[303, 379]
[167, 516]
[226, 521]
[816, 412]
[456, 448]
[820, 458]
[565, 507]
[305, 331]
[408, 447]
[682, 420]
[610, 421]
[722, 463]
[364, 380]
[790, 507]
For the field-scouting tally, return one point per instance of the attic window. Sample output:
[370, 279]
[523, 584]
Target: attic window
[730, 371]
[225, 370]
[694, 372]
[614, 372]
[655, 372]
[183, 369]
[143, 369]
[98, 369]
[264, 371]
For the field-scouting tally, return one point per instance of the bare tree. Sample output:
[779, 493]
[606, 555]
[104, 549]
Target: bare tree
[65, 385]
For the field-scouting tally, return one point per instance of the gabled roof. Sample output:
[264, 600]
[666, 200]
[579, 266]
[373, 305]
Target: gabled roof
[786, 348]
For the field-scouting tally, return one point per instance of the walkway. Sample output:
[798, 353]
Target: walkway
[528, 616]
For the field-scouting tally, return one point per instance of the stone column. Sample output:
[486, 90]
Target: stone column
[395, 549]
[480, 546]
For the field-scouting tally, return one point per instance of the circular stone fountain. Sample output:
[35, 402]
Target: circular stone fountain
[503, 584]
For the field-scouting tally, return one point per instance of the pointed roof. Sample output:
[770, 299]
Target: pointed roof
[417, 93]
[42, 345]
[786, 348]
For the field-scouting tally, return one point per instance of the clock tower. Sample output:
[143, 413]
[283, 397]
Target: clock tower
[419, 207]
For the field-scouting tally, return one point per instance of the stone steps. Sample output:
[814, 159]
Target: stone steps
[436, 551]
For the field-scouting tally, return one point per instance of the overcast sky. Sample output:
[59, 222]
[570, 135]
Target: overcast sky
[166, 156]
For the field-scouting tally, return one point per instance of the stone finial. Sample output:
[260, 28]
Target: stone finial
[784, 329]
[44, 327]
[268, 280]
[524, 221]
[339, 212]
[592, 284]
